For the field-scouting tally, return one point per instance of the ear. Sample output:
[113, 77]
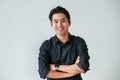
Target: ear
[51, 23]
[69, 23]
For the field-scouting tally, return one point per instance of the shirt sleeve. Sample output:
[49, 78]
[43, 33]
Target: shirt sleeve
[43, 60]
[84, 56]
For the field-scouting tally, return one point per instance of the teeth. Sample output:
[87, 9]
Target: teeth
[61, 29]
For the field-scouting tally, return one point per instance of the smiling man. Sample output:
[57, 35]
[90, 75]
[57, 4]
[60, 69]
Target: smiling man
[63, 56]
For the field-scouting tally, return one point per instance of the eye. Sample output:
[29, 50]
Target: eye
[63, 20]
[55, 21]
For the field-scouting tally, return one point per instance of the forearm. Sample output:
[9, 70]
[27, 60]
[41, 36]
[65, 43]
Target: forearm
[56, 74]
[72, 69]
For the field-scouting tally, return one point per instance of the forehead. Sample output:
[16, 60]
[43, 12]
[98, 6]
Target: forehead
[59, 16]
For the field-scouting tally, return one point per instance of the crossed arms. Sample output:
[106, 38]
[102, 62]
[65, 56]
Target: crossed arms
[65, 70]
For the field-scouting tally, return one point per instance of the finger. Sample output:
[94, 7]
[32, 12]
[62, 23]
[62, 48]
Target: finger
[77, 60]
[78, 57]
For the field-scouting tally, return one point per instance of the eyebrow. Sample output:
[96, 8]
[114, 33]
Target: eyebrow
[61, 19]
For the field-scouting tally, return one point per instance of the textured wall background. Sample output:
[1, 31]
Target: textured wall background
[24, 25]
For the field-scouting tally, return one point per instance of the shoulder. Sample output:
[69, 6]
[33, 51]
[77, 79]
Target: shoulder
[78, 39]
[46, 43]
[80, 43]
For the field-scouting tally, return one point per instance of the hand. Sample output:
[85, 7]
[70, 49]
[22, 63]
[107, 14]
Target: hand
[77, 60]
[52, 66]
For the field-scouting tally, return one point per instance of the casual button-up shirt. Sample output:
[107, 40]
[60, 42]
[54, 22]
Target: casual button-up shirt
[54, 51]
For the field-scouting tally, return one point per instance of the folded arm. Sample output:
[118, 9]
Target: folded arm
[71, 69]
[56, 74]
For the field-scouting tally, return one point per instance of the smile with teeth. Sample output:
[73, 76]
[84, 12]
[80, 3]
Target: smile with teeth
[60, 29]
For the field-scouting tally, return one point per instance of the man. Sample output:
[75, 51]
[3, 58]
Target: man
[63, 56]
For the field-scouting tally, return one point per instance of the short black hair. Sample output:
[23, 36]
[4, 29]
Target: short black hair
[59, 9]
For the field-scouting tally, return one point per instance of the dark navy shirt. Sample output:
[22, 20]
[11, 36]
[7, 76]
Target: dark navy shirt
[54, 51]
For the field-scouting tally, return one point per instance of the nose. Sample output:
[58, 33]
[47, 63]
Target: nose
[60, 24]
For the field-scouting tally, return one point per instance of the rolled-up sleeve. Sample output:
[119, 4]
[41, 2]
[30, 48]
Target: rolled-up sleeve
[84, 56]
[43, 60]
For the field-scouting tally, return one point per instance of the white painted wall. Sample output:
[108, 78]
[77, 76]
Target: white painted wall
[24, 25]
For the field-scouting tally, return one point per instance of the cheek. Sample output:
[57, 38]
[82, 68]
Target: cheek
[53, 25]
[54, 28]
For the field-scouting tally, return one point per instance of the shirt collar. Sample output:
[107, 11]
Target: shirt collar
[69, 39]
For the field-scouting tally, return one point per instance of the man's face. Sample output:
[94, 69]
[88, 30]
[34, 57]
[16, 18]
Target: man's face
[60, 23]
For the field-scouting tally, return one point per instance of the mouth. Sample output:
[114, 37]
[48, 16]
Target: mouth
[61, 29]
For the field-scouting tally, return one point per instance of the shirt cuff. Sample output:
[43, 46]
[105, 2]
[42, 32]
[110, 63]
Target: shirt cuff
[43, 73]
[84, 67]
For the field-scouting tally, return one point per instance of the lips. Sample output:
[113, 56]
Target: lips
[60, 29]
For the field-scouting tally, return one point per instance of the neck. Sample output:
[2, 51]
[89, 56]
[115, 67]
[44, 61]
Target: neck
[63, 38]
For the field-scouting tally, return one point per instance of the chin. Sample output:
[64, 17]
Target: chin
[60, 33]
